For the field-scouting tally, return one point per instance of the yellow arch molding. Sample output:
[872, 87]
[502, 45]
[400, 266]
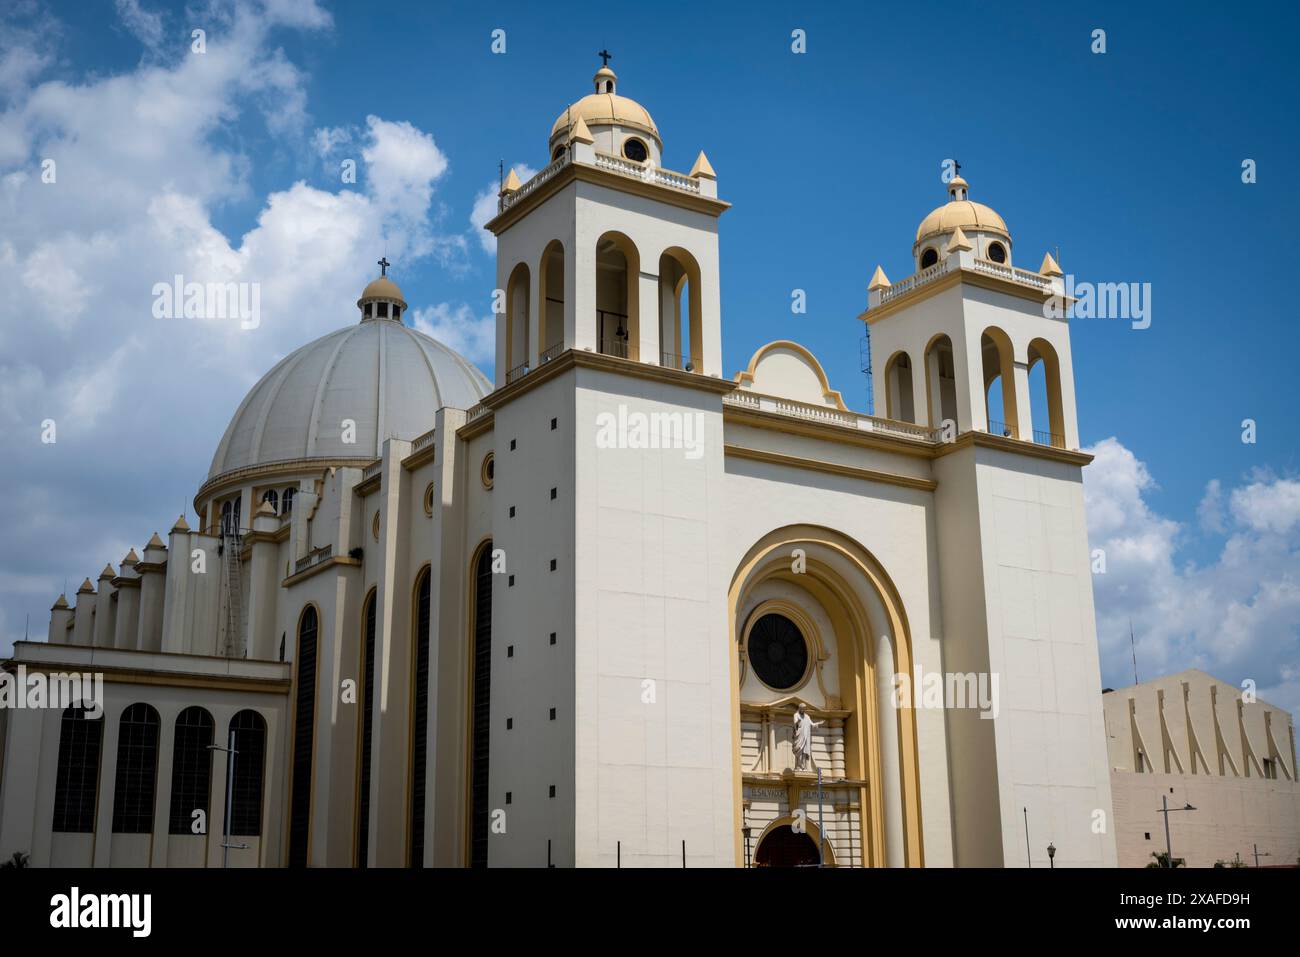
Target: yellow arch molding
[831, 395]
[770, 558]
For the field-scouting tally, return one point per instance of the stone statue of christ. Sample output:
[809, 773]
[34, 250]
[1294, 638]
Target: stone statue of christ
[802, 737]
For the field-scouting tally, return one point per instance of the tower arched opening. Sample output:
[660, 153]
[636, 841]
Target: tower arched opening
[618, 272]
[517, 343]
[681, 323]
[899, 404]
[941, 381]
[1046, 410]
[550, 300]
[999, 383]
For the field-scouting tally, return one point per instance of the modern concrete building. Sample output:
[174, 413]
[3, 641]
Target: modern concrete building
[1191, 739]
[566, 616]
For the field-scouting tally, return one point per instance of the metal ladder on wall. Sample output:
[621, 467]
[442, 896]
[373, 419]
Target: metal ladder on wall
[231, 545]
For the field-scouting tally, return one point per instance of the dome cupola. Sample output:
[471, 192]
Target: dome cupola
[964, 221]
[335, 400]
[381, 299]
[618, 125]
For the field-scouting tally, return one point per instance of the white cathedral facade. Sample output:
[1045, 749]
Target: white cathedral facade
[567, 617]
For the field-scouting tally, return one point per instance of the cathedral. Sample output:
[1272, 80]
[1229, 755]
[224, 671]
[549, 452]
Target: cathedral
[617, 607]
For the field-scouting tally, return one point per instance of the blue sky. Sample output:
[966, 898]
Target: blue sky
[1128, 161]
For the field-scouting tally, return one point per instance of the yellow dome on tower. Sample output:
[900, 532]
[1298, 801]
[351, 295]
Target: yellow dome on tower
[960, 213]
[605, 108]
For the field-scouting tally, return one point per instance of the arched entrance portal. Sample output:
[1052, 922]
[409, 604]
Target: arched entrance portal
[784, 847]
[843, 627]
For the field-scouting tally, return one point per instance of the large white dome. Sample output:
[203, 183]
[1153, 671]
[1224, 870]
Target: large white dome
[386, 377]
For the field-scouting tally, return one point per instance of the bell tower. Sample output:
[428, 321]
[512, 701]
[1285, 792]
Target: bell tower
[606, 504]
[957, 340]
[607, 251]
[954, 346]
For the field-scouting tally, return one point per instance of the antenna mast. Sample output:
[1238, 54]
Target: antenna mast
[1133, 646]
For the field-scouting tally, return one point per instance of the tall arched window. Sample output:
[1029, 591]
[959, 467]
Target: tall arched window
[272, 496]
[227, 510]
[419, 718]
[76, 783]
[249, 728]
[304, 734]
[481, 708]
[367, 728]
[191, 770]
[137, 770]
[287, 501]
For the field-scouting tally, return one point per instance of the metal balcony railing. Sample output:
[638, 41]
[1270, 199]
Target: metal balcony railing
[670, 360]
[1049, 438]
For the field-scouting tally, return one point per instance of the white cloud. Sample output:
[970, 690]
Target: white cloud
[1235, 617]
[145, 26]
[1267, 505]
[28, 37]
[142, 166]
[457, 327]
[1210, 509]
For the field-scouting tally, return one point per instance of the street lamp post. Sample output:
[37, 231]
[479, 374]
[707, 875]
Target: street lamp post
[1166, 810]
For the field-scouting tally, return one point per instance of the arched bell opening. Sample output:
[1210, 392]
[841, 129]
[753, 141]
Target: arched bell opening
[518, 290]
[550, 300]
[999, 383]
[1046, 409]
[681, 324]
[899, 404]
[940, 381]
[618, 271]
